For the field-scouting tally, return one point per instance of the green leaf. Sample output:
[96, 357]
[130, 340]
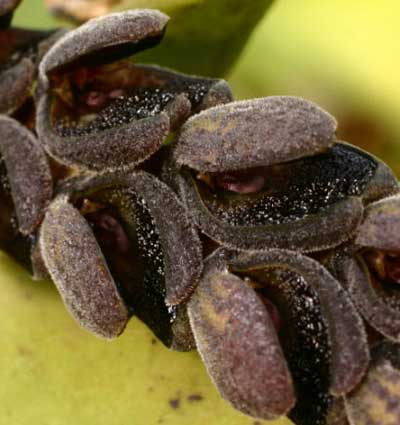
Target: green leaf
[54, 373]
[205, 36]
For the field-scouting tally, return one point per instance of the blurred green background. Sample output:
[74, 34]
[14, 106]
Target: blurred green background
[344, 55]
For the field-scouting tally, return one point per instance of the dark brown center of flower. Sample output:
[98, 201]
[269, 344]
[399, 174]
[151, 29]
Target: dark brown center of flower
[110, 232]
[246, 181]
[11, 240]
[384, 265]
[90, 99]
[18, 43]
[113, 239]
[129, 240]
[5, 20]
[285, 192]
[392, 266]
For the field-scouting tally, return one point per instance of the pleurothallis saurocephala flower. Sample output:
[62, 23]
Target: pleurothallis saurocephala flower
[262, 188]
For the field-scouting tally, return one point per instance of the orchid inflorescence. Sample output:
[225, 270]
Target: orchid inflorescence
[244, 229]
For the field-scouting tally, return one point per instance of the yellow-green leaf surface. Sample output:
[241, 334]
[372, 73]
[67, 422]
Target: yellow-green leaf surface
[54, 373]
[206, 36]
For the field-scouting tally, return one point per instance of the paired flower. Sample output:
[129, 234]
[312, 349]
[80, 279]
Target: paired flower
[242, 228]
[99, 111]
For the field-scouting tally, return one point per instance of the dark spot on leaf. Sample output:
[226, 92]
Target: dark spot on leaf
[195, 397]
[24, 351]
[175, 403]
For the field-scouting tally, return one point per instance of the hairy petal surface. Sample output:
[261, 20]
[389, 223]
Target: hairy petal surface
[239, 346]
[374, 307]
[78, 269]
[380, 228]
[253, 133]
[28, 172]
